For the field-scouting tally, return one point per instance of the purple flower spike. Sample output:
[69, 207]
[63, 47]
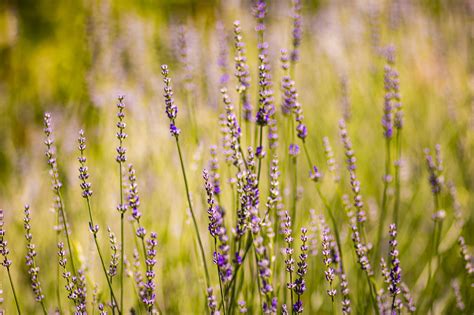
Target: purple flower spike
[170, 108]
[294, 150]
[314, 174]
[297, 30]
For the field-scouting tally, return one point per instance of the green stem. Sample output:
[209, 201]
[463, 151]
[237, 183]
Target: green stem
[122, 250]
[66, 230]
[201, 247]
[58, 278]
[383, 212]
[220, 280]
[327, 207]
[13, 290]
[295, 191]
[396, 207]
[259, 159]
[89, 208]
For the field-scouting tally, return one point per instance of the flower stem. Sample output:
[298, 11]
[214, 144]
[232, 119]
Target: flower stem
[383, 212]
[398, 145]
[100, 254]
[13, 290]
[201, 247]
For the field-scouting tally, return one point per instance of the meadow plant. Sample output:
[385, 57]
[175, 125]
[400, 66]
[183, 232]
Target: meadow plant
[248, 233]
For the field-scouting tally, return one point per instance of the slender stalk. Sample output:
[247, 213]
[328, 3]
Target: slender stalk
[201, 247]
[220, 280]
[58, 277]
[122, 249]
[327, 207]
[295, 190]
[94, 233]
[398, 145]
[13, 290]
[260, 160]
[66, 230]
[383, 212]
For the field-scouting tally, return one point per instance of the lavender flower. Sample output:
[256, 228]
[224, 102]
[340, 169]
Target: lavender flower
[274, 198]
[121, 135]
[467, 258]
[288, 252]
[346, 301]
[313, 237]
[345, 103]
[457, 294]
[214, 171]
[408, 300]
[4, 251]
[75, 284]
[147, 293]
[233, 131]
[395, 270]
[133, 197]
[114, 256]
[330, 160]
[170, 108]
[294, 150]
[137, 274]
[300, 284]
[435, 168]
[351, 166]
[242, 307]
[242, 72]
[211, 302]
[83, 170]
[33, 269]
[260, 11]
[287, 86]
[264, 271]
[222, 59]
[361, 252]
[314, 174]
[297, 30]
[265, 92]
[56, 182]
[327, 258]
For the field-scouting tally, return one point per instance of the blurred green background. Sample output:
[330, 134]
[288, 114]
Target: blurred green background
[73, 58]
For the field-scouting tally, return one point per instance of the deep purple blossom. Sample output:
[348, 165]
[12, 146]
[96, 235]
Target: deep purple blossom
[170, 108]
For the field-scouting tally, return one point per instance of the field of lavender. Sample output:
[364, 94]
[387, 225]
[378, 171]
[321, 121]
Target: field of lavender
[226, 157]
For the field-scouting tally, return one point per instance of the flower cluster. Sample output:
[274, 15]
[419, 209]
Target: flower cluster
[395, 270]
[33, 269]
[242, 72]
[435, 169]
[147, 292]
[265, 92]
[83, 170]
[211, 302]
[351, 166]
[232, 131]
[327, 257]
[114, 256]
[75, 284]
[133, 197]
[287, 85]
[4, 251]
[170, 107]
[330, 160]
[214, 171]
[297, 30]
[300, 284]
[121, 135]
